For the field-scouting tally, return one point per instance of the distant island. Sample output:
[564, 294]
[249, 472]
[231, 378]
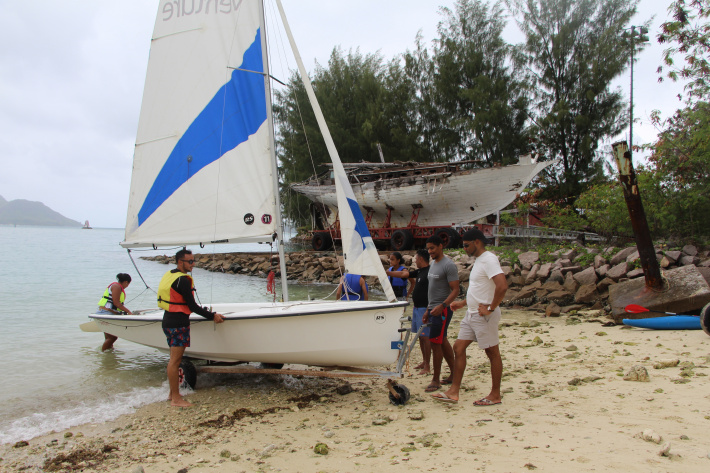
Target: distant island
[27, 212]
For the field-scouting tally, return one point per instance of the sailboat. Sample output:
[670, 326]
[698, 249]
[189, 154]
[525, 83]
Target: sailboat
[205, 171]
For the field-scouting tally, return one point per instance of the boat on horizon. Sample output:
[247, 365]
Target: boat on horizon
[205, 171]
[86, 226]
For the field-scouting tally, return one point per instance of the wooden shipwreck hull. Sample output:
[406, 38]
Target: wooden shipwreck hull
[445, 194]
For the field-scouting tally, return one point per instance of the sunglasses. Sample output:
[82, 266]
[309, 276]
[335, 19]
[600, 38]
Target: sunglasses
[189, 261]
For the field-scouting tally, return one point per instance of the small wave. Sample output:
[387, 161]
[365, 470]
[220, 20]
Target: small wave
[37, 424]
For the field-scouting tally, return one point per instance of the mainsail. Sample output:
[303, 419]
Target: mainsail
[203, 168]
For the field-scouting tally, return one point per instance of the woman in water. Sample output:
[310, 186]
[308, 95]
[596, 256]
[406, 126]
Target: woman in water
[112, 303]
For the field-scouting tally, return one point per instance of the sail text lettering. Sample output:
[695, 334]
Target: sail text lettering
[177, 8]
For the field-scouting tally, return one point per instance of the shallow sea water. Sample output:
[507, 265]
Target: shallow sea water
[55, 376]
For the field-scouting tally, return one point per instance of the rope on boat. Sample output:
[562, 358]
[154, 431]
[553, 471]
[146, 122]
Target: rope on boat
[138, 271]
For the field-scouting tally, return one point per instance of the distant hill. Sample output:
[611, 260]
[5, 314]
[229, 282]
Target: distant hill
[26, 212]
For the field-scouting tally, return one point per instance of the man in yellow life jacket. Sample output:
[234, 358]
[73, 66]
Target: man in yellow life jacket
[112, 303]
[175, 295]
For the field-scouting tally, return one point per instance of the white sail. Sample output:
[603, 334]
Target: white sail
[202, 169]
[359, 250]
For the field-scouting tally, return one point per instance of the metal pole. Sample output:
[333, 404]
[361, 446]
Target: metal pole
[631, 96]
[647, 254]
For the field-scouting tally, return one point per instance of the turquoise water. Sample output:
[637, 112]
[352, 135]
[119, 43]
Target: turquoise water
[55, 375]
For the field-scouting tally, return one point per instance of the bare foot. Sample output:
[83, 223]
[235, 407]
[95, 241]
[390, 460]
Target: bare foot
[419, 366]
[425, 371]
[180, 403]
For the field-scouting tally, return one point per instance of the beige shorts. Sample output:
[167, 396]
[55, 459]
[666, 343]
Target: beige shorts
[483, 330]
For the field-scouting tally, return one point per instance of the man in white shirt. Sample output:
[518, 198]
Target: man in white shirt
[487, 286]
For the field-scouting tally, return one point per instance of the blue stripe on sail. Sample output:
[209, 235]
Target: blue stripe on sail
[360, 225]
[235, 113]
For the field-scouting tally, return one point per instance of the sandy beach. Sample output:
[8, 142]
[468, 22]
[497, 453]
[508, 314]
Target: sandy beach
[566, 406]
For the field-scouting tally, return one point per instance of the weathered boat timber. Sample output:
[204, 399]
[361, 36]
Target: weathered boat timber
[443, 194]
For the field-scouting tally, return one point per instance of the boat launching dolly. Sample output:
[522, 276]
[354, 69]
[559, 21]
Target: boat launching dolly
[398, 393]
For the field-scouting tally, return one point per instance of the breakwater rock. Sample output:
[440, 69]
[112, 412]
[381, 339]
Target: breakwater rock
[555, 282]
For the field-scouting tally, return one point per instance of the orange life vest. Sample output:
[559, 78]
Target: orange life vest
[168, 298]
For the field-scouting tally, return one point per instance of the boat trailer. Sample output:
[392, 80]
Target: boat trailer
[398, 393]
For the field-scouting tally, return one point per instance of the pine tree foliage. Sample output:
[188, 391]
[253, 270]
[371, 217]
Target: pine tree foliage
[574, 49]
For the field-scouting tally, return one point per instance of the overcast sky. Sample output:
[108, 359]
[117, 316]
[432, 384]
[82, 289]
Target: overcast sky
[72, 73]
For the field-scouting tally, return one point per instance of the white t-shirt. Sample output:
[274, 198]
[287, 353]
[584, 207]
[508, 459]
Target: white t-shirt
[481, 287]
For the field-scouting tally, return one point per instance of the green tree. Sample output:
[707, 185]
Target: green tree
[365, 101]
[681, 161]
[482, 102]
[688, 34]
[574, 49]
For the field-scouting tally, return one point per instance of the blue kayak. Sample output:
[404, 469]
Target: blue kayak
[671, 322]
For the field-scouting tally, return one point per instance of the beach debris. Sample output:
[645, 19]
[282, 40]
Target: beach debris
[572, 348]
[344, 389]
[182, 470]
[321, 449]
[225, 453]
[68, 435]
[138, 469]
[650, 436]
[418, 415]
[536, 341]
[267, 450]
[601, 334]
[637, 373]
[20, 444]
[665, 450]
[530, 466]
[328, 434]
[381, 421]
[660, 364]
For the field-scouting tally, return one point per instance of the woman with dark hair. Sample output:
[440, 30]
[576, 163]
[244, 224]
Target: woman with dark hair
[399, 282]
[112, 303]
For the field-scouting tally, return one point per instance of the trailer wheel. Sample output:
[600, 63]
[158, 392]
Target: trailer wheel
[187, 374]
[705, 319]
[271, 366]
[449, 237]
[322, 241]
[402, 240]
[403, 392]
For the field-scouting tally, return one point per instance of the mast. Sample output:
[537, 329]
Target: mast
[274, 164]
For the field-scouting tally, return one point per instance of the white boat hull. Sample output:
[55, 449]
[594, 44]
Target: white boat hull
[446, 199]
[331, 333]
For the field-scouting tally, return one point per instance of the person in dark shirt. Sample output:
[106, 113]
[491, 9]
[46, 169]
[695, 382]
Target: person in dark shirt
[175, 295]
[418, 288]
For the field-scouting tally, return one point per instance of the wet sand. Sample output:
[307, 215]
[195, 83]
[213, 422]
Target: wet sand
[566, 406]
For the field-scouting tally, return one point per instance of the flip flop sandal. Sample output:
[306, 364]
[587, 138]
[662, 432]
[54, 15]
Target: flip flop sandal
[485, 402]
[442, 397]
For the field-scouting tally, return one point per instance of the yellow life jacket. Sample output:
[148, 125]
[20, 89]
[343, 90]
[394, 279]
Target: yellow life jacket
[168, 298]
[107, 299]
